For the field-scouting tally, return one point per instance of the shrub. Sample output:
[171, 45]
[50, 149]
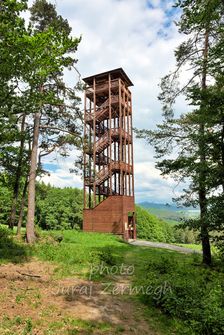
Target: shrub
[195, 294]
[10, 249]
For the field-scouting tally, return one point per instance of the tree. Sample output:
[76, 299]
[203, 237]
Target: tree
[59, 208]
[48, 53]
[18, 171]
[187, 135]
[12, 30]
[34, 96]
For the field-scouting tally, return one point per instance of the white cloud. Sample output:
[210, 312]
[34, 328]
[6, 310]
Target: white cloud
[139, 36]
[151, 186]
[61, 177]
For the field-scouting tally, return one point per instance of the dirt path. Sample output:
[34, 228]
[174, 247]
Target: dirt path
[68, 306]
[164, 246]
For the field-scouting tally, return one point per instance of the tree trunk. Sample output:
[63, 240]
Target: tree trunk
[18, 175]
[207, 259]
[222, 157]
[30, 234]
[22, 205]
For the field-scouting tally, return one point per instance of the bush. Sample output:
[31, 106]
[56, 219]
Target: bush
[103, 256]
[195, 294]
[10, 249]
[185, 235]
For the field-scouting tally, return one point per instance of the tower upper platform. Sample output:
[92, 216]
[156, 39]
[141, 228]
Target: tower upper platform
[115, 74]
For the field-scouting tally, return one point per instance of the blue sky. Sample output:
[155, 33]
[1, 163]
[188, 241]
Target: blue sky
[140, 36]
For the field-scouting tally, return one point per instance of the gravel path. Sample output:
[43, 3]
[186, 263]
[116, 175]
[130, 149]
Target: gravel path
[143, 243]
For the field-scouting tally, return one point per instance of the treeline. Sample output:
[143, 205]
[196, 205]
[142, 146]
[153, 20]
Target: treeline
[39, 111]
[190, 146]
[56, 208]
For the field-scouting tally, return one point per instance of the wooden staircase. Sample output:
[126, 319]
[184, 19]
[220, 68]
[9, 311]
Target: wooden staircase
[104, 141]
[102, 112]
[104, 173]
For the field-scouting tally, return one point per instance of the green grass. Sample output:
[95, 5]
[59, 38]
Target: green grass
[191, 295]
[74, 253]
[196, 247]
[172, 222]
[78, 251]
[23, 229]
[64, 326]
[11, 249]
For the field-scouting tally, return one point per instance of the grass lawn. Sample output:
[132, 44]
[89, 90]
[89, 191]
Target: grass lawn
[78, 251]
[197, 247]
[74, 254]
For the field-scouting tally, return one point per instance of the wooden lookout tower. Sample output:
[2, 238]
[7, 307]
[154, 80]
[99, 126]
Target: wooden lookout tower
[109, 204]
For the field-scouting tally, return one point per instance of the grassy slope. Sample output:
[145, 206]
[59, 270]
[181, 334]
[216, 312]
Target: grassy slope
[150, 227]
[197, 247]
[77, 251]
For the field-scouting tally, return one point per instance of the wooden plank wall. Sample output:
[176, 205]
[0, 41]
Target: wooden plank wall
[109, 216]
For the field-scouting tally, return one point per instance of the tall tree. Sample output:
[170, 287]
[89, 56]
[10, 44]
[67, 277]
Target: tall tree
[18, 173]
[52, 50]
[12, 30]
[34, 91]
[201, 21]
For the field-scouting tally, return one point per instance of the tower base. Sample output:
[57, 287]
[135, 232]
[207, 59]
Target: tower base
[115, 215]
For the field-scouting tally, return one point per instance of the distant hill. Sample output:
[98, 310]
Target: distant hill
[147, 204]
[167, 212]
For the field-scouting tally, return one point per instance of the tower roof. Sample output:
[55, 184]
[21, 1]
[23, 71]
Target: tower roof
[115, 74]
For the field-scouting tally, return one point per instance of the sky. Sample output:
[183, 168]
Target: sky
[140, 36]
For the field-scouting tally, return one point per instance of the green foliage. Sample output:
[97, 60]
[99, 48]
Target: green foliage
[78, 251]
[149, 227]
[58, 208]
[195, 138]
[44, 14]
[42, 51]
[190, 292]
[185, 235]
[5, 200]
[12, 250]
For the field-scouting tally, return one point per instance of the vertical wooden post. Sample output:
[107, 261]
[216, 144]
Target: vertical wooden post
[90, 155]
[125, 142]
[132, 153]
[129, 158]
[84, 152]
[94, 142]
[110, 134]
[115, 159]
[120, 140]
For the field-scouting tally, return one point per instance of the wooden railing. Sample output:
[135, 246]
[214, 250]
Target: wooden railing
[102, 110]
[104, 173]
[104, 86]
[104, 140]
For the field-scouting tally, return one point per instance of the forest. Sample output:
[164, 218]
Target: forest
[42, 246]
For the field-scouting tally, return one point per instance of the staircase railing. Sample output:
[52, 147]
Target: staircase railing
[103, 141]
[102, 109]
